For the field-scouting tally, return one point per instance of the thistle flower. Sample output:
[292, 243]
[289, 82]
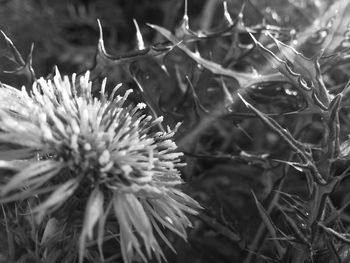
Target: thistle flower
[59, 141]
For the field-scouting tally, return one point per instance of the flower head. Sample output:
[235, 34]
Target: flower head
[59, 141]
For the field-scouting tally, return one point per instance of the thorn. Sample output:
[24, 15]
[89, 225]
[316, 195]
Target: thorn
[185, 16]
[6, 37]
[164, 68]
[195, 97]
[244, 132]
[100, 28]
[14, 50]
[254, 39]
[57, 72]
[139, 38]
[101, 44]
[240, 14]
[244, 101]
[228, 95]
[227, 14]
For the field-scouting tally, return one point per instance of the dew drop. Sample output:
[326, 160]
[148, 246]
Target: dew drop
[347, 35]
[330, 22]
[345, 44]
[200, 67]
[319, 36]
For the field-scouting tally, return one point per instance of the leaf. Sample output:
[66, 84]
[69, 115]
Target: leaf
[93, 213]
[299, 235]
[24, 67]
[273, 230]
[334, 127]
[220, 228]
[101, 229]
[50, 230]
[11, 51]
[318, 199]
[56, 199]
[297, 146]
[344, 151]
[33, 170]
[343, 237]
[244, 79]
[103, 60]
[333, 251]
[183, 29]
[303, 73]
[94, 210]
[329, 31]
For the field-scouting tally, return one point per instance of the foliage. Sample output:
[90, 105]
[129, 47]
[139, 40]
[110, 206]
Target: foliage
[261, 89]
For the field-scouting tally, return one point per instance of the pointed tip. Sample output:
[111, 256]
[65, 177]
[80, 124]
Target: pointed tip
[6, 37]
[267, 33]
[185, 16]
[101, 45]
[30, 55]
[227, 14]
[165, 69]
[55, 68]
[275, 40]
[254, 196]
[243, 7]
[139, 38]
[243, 100]
[253, 37]
[336, 101]
[227, 94]
[151, 25]
[100, 28]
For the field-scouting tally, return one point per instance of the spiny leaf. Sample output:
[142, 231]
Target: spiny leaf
[306, 75]
[183, 29]
[343, 237]
[318, 199]
[300, 148]
[24, 67]
[308, 68]
[270, 226]
[329, 31]
[27, 68]
[244, 79]
[296, 165]
[334, 127]
[297, 232]
[104, 60]
[11, 51]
